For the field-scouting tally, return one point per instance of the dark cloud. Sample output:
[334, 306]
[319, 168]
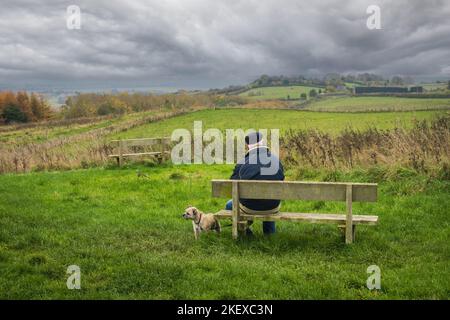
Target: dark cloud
[203, 43]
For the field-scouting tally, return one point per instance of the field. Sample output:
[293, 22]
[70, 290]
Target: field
[127, 235]
[360, 104]
[273, 93]
[434, 86]
[281, 119]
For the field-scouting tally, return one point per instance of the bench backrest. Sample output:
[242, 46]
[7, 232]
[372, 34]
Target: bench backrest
[141, 142]
[296, 190]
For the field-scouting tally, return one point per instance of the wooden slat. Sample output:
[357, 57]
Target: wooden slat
[142, 142]
[349, 215]
[296, 190]
[136, 154]
[309, 217]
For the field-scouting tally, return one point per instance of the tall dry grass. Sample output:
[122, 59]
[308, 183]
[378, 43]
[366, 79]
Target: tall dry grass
[425, 146]
[67, 152]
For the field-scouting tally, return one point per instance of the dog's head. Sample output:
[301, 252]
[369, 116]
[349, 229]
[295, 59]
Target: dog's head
[190, 213]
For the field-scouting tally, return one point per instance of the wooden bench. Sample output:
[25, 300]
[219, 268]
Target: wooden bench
[159, 144]
[297, 190]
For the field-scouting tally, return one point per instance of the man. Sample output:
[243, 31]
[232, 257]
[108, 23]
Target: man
[258, 164]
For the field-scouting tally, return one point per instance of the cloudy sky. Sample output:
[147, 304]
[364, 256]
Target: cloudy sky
[214, 43]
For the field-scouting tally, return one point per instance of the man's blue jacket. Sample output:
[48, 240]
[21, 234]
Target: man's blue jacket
[250, 167]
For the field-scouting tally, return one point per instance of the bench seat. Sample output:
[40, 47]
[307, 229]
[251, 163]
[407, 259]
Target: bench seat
[308, 217]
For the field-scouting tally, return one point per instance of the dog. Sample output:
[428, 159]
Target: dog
[201, 222]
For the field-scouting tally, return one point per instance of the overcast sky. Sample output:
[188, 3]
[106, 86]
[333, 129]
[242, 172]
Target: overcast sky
[214, 43]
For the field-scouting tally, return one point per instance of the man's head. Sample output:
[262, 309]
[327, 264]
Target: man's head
[254, 139]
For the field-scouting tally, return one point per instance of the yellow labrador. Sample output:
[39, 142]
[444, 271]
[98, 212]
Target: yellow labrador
[201, 222]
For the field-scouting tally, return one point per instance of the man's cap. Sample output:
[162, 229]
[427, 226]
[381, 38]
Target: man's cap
[253, 137]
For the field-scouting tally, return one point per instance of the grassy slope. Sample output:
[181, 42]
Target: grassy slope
[434, 86]
[282, 119]
[128, 237]
[45, 132]
[378, 104]
[270, 93]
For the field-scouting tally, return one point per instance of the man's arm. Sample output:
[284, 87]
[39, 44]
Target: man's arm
[235, 175]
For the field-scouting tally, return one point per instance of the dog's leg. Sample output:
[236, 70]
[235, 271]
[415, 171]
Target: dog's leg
[218, 227]
[195, 230]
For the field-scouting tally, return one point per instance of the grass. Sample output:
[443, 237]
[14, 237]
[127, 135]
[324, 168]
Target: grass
[272, 93]
[43, 133]
[434, 86]
[362, 104]
[127, 236]
[281, 119]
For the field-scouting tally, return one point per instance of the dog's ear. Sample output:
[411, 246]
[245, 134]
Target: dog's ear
[194, 211]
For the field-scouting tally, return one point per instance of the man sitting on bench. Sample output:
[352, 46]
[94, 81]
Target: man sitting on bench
[258, 164]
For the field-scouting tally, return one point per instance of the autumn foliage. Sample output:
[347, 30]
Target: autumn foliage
[23, 107]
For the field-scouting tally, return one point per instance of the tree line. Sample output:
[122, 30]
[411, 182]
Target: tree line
[330, 81]
[22, 107]
[94, 104]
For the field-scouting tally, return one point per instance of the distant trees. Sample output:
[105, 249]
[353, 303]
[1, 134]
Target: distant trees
[23, 107]
[397, 81]
[312, 93]
[330, 79]
[303, 96]
[92, 104]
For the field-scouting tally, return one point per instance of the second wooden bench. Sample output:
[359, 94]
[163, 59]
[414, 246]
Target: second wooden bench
[160, 148]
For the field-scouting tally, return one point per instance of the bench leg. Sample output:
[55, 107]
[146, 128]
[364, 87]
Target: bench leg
[342, 230]
[235, 211]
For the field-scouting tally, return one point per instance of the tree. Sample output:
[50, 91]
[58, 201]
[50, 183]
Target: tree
[303, 96]
[12, 113]
[39, 107]
[312, 93]
[23, 102]
[396, 80]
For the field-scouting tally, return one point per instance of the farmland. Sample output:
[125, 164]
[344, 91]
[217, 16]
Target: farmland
[81, 145]
[273, 93]
[280, 119]
[361, 104]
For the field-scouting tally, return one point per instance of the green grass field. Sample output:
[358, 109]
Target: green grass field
[127, 236]
[281, 119]
[273, 93]
[362, 104]
[434, 86]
